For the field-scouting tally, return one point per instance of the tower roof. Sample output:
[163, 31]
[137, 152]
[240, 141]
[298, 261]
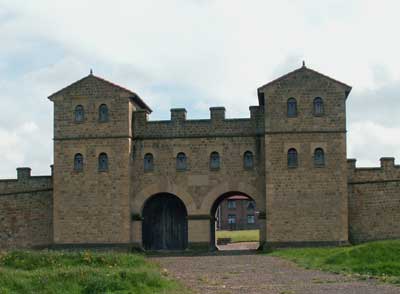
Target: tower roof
[91, 76]
[305, 69]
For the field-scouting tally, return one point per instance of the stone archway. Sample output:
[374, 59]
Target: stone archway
[165, 224]
[213, 210]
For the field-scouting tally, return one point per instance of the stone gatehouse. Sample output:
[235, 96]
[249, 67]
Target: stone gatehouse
[121, 179]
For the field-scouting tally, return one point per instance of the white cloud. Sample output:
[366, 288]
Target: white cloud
[369, 141]
[195, 54]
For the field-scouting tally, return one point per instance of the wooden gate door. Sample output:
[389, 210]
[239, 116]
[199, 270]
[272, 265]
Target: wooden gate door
[164, 223]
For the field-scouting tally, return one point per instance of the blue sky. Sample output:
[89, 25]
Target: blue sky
[195, 54]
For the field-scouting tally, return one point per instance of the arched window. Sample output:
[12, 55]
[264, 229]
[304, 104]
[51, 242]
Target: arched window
[292, 158]
[148, 162]
[319, 157]
[214, 160]
[181, 161]
[103, 162]
[248, 160]
[79, 113]
[318, 106]
[78, 162]
[103, 113]
[291, 107]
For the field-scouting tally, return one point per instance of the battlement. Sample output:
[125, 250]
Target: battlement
[25, 182]
[388, 171]
[180, 127]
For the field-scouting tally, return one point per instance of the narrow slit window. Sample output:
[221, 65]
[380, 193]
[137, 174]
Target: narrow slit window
[292, 158]
[291, 107]
[78, 162]
[214, 161]
[103, 162]
[181, 161]
[248, 160]
[318, 106]
[148, 162]
[79, 113]
[103, 113]
[319, 157]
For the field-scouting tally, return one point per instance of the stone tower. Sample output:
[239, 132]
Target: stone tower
[306, 200]
[92, 155]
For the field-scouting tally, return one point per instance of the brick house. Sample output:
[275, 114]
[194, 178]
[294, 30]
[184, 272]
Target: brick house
[237, 213]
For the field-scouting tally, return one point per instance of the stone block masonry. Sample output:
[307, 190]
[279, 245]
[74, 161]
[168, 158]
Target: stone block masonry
[26, 206]
[374, 201]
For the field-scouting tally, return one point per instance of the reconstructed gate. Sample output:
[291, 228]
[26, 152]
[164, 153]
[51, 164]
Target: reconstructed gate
[165, 225]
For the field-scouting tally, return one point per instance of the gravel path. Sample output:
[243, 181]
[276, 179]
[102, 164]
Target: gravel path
[251, 273]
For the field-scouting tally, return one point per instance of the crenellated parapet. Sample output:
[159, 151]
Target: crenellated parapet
[180, 127]
[25, 183]
[388, 171]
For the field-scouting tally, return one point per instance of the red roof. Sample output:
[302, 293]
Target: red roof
[238, 197]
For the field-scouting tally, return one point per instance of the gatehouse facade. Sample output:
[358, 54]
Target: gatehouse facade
[121, 179]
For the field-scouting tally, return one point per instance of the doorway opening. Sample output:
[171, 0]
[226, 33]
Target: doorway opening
[234, 223]
[165, 225]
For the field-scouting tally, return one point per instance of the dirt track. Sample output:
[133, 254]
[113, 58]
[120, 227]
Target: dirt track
[258, 274]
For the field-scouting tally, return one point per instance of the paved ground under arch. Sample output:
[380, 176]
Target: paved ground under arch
[250, 273]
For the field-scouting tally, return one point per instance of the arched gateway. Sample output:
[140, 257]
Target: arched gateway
[213, 212]
[165, 225]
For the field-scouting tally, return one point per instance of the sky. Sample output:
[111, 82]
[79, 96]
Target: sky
[195, 54]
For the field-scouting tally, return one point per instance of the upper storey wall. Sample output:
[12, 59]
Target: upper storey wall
[91, 92]
[216, 126]
[304, 85]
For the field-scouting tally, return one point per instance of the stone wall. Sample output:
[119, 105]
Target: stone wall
[26, 211]
[374, 201]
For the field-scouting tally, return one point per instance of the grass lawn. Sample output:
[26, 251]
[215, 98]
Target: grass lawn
[376, 259]
[240, 236]
[81, 272]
